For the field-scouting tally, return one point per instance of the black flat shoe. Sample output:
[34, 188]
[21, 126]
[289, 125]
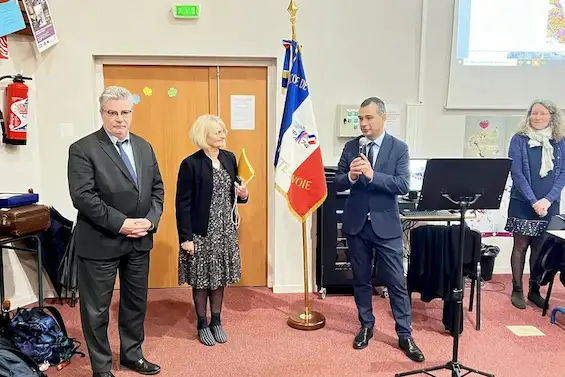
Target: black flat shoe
[102, 374]
[142, 366]
[362, 338]
[411, 349]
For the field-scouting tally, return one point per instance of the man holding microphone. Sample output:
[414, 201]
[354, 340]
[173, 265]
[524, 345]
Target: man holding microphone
[371, 220]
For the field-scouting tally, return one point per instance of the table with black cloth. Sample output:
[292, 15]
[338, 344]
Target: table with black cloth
[434, 263]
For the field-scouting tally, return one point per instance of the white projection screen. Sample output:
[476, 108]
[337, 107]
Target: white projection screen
[507, 53]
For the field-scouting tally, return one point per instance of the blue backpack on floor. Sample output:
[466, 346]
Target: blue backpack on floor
[13, 362]
[42, 336]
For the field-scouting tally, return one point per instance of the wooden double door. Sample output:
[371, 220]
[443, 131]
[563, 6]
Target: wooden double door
[168, 100]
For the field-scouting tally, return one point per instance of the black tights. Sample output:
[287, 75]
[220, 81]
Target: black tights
[200, 297]
[518, 258]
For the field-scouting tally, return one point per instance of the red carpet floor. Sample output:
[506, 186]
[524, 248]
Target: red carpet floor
[261, 344]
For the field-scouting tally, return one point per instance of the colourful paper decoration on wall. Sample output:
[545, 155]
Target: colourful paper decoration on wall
[172, 92]
[136, 99]
[147, 91]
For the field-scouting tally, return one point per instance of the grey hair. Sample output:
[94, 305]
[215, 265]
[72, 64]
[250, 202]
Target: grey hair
[377, 101]
[114, 93]
[556, 121]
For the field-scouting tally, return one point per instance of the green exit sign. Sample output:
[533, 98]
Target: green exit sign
[186, 10]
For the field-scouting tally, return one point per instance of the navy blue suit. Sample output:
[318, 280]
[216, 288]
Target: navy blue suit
[371, 221]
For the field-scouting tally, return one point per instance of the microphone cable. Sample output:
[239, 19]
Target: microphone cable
[236, 219]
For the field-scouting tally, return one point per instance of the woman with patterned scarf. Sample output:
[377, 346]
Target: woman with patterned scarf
[537, 151]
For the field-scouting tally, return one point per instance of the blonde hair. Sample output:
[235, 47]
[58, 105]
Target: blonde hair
[556, 122]
[204, 126]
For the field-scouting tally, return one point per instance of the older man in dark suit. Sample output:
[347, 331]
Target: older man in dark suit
[116, 186]
[371, 221]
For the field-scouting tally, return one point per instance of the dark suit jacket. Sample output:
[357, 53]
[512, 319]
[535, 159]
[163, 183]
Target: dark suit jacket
[104, 193]
[379, 197]
[194, 192]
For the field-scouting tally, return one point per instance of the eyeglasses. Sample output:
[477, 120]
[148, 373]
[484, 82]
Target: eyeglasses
[114, 114]
[220, 132]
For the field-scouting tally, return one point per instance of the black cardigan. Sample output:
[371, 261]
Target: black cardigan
[194, 192]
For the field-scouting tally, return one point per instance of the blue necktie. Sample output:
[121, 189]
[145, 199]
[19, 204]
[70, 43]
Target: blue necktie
[370, 152]
[126, 160]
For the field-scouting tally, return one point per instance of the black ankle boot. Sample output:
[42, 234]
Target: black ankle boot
[535, 296]
[518, 296]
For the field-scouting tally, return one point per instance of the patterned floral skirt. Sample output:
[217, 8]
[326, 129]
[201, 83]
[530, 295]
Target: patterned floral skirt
[216, 263]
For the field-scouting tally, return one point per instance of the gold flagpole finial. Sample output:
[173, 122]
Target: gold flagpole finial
[292, 10]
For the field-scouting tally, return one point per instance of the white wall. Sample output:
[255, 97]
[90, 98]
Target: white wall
[370, 47]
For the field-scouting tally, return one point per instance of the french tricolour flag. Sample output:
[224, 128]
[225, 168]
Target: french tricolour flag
[299, 175]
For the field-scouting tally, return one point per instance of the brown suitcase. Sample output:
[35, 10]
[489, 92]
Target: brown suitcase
[24, 220]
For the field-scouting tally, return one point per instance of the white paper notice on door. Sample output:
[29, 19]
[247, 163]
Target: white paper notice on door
[242, 112]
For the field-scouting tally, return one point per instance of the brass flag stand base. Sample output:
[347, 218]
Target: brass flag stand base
[303, 321]
[307, 320]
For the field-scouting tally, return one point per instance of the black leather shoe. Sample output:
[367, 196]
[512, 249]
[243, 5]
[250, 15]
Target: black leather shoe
[142, 366]
[362, 338]
[411, 349]
[102, 374]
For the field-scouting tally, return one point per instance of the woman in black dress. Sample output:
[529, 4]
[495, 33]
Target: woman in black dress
[207, 189]
[537, 151]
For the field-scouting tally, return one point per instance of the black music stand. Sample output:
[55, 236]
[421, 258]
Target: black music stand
[461, 184]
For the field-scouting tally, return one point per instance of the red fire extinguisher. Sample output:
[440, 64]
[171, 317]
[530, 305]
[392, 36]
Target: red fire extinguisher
[14, 124]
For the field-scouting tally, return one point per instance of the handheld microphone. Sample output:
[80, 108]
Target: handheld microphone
[363, 141]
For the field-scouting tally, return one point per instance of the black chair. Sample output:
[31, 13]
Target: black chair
[551, 259]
